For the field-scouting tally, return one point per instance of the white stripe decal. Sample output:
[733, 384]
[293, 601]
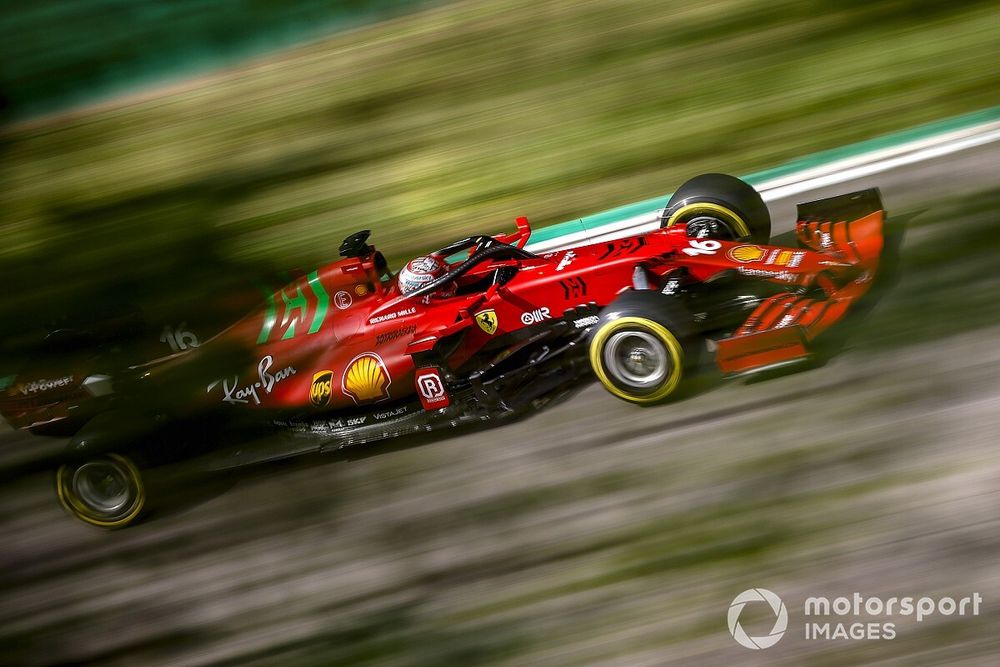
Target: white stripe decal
[832, 173]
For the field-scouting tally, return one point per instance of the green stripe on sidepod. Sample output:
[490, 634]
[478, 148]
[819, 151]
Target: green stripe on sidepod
[322, 302]
[297, 305]
[270, 317]
[297, 302]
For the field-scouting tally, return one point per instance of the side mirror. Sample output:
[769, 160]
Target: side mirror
[356, 245]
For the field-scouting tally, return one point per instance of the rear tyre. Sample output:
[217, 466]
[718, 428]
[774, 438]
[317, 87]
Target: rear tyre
[718, 206]
[106, 491]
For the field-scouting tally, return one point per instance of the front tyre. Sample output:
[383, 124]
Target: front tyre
[719, 206]
[106, 491]
[637, 359]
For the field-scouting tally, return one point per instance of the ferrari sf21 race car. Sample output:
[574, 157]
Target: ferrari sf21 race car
[349, 354]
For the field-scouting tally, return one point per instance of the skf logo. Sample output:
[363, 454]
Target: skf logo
[366, 379]
[487, 321]
[746, 253]
[431, 389]
[321, 389]
[535, 316]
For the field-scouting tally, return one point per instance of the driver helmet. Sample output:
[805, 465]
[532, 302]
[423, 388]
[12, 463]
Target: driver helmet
[419, 272]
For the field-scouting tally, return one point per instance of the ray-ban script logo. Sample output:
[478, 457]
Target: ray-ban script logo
[233, 392]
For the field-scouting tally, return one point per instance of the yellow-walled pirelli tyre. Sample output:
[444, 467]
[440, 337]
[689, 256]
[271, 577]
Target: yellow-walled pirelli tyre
[719, 206]
[638, 359]
[106, 490]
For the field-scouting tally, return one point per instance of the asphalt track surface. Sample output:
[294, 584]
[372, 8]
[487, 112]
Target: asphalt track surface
[594, 532]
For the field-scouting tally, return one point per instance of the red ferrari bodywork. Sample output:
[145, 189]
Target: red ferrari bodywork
[343, 336]
[342, 357]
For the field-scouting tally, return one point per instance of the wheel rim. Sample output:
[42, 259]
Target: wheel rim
[103, 487]
[706, 227]
[107, 492]
[637, 359]
[708, 211]
[657, 349]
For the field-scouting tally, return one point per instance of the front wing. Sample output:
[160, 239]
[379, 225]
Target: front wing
[784, 328]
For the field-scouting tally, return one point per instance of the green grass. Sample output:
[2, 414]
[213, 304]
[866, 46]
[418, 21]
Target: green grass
[457, 119]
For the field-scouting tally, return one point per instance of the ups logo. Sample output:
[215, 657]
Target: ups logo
[321, 388]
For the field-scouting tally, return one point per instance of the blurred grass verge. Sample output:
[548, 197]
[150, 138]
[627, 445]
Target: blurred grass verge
[454, 120]
[63, 53]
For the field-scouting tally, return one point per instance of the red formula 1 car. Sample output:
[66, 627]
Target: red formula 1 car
[346, 355]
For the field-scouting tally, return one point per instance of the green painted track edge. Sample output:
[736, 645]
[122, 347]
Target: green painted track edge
[918, 133]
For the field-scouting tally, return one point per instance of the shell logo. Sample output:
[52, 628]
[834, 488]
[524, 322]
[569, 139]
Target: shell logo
[366, 379]
[746, 253]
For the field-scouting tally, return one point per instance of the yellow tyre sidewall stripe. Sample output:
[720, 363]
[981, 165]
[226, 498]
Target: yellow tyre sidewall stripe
[73, 505]
[669, 341]
[691, 210]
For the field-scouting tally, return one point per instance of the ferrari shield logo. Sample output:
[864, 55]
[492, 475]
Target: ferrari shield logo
[487, 321]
